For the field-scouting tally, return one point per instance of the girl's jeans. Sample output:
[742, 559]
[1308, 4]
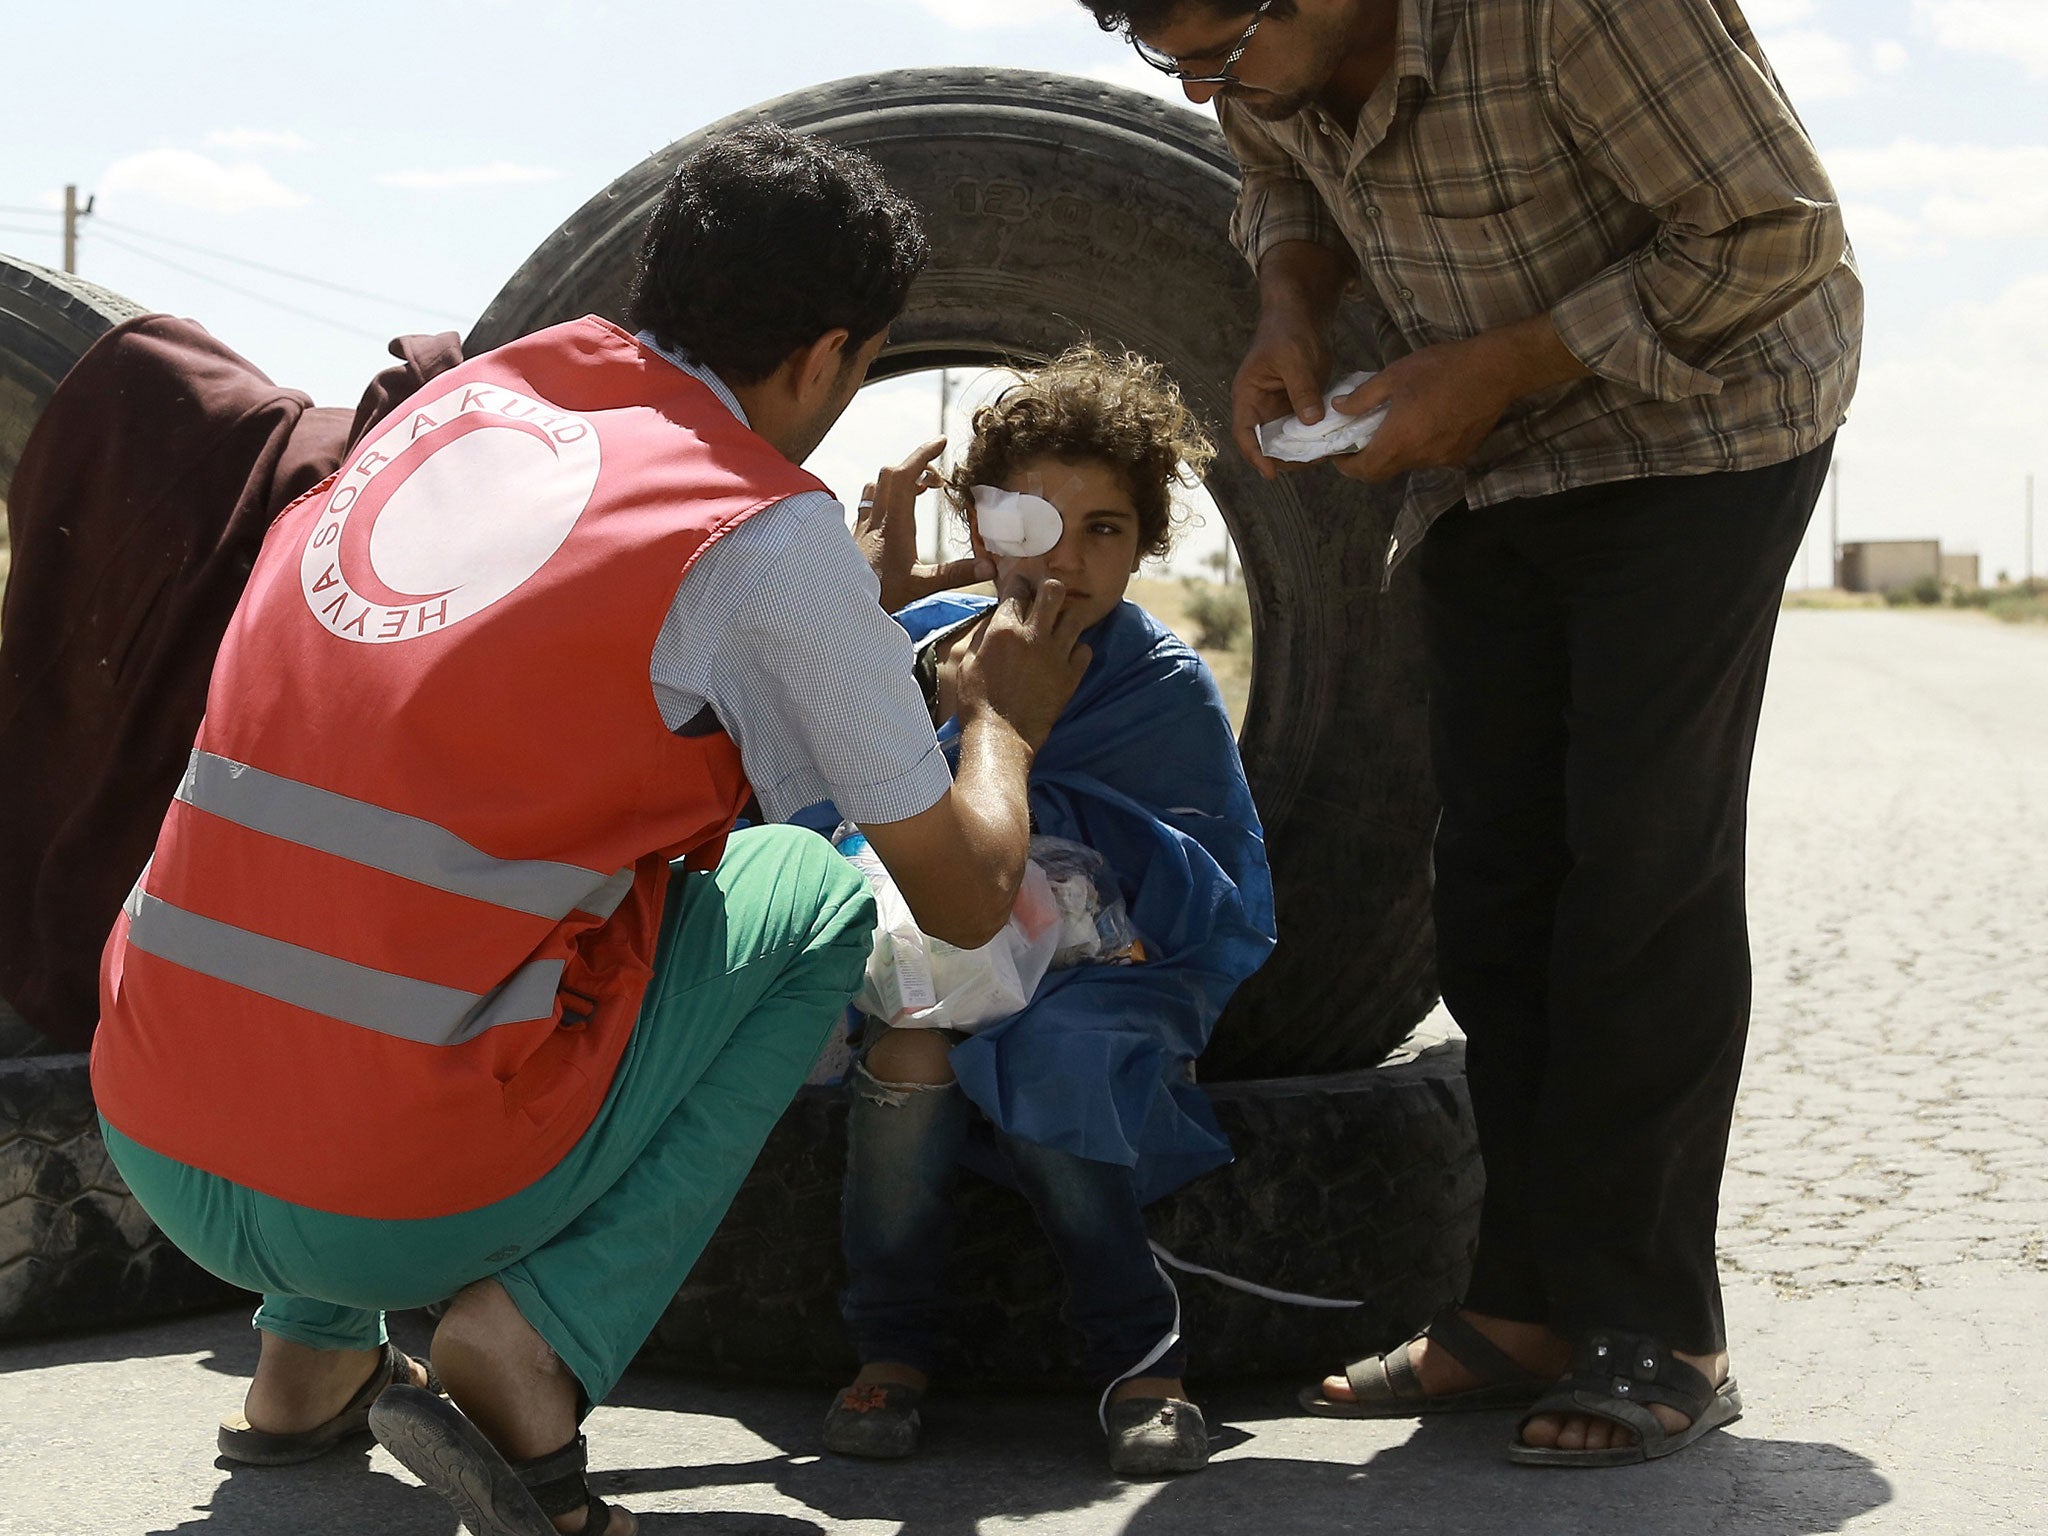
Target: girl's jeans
[904, 1142]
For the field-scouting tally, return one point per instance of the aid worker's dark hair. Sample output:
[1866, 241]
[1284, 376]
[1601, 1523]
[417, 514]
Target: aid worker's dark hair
[763, 241]
[1132, 15]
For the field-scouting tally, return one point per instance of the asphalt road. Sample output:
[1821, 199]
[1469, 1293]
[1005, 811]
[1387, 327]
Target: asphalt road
[1886, 1229]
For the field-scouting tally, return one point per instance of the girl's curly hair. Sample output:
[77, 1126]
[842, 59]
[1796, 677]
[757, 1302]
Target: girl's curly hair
[1086, 404]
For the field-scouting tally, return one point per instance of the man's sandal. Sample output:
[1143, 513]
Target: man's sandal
[1389, 1388]
[239, 1441]
[1616, 1376]
[435, 1442]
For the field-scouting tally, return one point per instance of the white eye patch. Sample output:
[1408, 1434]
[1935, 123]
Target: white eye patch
[1016, 524]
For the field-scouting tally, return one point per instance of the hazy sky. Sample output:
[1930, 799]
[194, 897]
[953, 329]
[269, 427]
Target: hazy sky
[420, 151]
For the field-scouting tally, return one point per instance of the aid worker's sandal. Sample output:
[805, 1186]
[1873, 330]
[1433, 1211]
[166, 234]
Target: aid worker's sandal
[239, 1441]
[437, 1443]
[1389, 1388]
[1616, 1376]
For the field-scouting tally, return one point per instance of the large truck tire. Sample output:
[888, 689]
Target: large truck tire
[19, 1038]
[1059, 206]
[76, 1251]
[1361, 1186]
[47, 320]
[1056, 206]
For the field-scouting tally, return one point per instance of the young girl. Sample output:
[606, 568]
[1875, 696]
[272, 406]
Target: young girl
[1084, 1100]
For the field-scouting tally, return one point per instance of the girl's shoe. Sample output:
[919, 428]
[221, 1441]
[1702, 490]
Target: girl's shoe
[1156, 1436]
[879, 1421]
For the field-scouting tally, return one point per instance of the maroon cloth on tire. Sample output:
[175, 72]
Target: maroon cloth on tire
[143, 492]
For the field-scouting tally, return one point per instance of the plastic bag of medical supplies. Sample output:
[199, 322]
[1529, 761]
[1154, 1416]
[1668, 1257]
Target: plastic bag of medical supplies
[1068, 912]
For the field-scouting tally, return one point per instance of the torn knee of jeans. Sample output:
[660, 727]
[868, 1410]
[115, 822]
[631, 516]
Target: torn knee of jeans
[890, 1095]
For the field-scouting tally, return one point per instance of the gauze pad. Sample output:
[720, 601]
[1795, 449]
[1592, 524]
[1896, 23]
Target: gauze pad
[1295, 441]
[1016, 524]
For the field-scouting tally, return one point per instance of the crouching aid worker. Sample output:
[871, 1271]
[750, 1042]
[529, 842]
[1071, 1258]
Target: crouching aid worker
[444, 979]
[1084, 1100]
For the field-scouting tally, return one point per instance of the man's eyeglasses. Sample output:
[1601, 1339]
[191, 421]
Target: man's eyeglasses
[1167, 64]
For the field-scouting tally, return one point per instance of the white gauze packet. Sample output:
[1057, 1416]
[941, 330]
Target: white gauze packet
[1016, 524]
[1293, 440]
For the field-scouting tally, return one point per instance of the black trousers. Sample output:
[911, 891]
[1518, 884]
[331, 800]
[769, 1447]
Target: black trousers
[1597, 664]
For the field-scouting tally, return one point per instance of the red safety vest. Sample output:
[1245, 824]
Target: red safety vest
[397, 927]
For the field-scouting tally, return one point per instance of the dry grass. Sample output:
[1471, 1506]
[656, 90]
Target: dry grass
[2022, 602]
[1831, 597]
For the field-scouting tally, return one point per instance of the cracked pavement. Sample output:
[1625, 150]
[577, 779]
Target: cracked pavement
[1885, 1228]
[1893, 1124]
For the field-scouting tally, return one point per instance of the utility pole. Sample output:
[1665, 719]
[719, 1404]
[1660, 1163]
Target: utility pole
[73, 214]
[2030, 528]
[1835, 524]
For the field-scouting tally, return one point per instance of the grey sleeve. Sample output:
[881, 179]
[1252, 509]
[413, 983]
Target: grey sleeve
[779, 628]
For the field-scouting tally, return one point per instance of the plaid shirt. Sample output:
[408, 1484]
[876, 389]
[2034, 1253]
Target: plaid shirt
[1630, 167]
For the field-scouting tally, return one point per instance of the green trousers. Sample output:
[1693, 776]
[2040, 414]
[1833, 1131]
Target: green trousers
[757, 961]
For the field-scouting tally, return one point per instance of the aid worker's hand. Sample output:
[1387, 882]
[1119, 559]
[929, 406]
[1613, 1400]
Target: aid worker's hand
[885, 527]
[1026, 661]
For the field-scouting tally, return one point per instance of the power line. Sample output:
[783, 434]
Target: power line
[247, 293]
[23, 229]
[41, 213]
[297, 277]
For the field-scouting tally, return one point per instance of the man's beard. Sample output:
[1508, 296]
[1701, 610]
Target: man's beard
[1268, 104]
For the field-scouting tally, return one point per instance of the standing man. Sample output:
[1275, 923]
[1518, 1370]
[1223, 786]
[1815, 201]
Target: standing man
[444, 979]
[1617, 321]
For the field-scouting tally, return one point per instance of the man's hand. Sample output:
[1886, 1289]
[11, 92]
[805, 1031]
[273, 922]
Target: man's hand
[1287, 367]
[885, 527]
[1444, 400]
[1026, 661]
[1285, 370]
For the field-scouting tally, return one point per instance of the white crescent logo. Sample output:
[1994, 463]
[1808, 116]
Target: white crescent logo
[445, 511]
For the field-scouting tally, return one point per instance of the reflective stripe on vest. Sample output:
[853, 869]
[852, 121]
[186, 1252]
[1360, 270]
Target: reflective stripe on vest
[406, 846]
[397, 844]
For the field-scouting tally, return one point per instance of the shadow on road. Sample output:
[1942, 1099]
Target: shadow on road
[1010, 1457]
[1450, 1476]
[338, 1495]
[182, 1335]
[995, 1459]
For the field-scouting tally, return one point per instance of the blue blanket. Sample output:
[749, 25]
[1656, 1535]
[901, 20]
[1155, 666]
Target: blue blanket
[1143, 768]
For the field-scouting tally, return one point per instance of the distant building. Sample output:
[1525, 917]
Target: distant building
[1878, 565]
[1885, 565]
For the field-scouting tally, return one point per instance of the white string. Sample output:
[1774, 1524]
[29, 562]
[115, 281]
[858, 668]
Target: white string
[1249, 1287]
[1157, 1352]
